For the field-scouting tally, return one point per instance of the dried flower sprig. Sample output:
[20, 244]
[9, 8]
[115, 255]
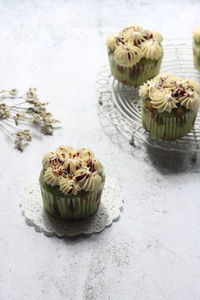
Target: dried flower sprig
[21, 138]
[4, 111]
[28, 109]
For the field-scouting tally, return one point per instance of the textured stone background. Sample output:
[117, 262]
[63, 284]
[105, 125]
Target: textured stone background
[153, 252]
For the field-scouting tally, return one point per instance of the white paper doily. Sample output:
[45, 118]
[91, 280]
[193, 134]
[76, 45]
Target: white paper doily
[109, 211]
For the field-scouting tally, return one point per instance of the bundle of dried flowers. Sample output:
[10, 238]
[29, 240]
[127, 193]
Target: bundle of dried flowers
[27, 109]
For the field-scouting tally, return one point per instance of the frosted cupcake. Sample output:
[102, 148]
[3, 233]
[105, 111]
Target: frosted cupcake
[169, 106]
[71, 183]
[196, 48]
[135, 54]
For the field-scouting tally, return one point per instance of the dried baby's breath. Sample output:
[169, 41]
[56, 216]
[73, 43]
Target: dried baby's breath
[4, 111]
[13, 92]
[29, 110]
[21, 138]
[18, 117]
[47, 129]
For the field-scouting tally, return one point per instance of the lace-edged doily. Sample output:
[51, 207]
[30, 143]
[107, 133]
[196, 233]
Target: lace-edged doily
[109, 211]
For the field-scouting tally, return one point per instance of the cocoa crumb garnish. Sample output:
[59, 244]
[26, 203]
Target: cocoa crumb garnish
[68, 168]
[70, 190]
[137, 43]
[90, 165]
[179, 92]
[182, 91]
[65, 171]
[60, 161]
[120, 41]
[174, 93]
[148, 35]
[80, 177]
[53, 160]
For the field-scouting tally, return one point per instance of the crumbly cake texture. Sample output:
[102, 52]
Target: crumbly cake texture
[135, 54]
[196, 48]
[71, 182]
[169, 105]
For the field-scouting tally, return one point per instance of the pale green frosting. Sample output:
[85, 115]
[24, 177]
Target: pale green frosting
[46, 158]
[157, 36]
[196, 85]
[190, 100]
[133, 43]
[73, 170]
[69, 186]
[127, 56]
[151, 49]
[167, 91]
[162, 100]
[51, 177]
[111, 42]
[135, 38]
[88, 180]
[144, 89]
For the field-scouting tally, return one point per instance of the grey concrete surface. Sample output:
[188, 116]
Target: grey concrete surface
[153, 252]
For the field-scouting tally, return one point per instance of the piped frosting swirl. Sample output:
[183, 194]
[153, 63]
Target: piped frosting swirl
[167, 92]
[111, 42]
[157, 36]
[133, 43]
[51, 176]
[73, 170]
[162, 100]
[127, 55]
[151, 49]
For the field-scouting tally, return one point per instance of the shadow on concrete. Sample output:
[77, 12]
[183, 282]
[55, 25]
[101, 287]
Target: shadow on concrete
[164, 161]
[172, 162]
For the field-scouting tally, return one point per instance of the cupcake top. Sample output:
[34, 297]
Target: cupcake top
[167, 92]
[73, 170]
[196, 35]
[133, 43]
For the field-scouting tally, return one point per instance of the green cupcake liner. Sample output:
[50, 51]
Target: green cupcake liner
[136, 75]
[196, 55]
[72, 207]
[168, 127]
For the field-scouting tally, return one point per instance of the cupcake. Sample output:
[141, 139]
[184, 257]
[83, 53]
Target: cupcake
[196, 48]
[135, 54]
[169, 106]
[71, 183]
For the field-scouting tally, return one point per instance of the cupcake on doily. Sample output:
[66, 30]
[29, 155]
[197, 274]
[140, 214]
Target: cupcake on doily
[169, 106]
[71, 183]
[196, 48]
[135, 54]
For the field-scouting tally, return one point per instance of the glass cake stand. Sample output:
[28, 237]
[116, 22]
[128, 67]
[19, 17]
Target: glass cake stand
[120, 103]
